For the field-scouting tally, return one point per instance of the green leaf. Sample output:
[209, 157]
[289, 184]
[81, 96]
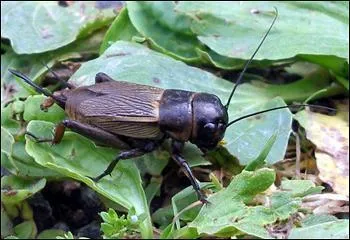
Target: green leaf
[15, 189]
[119, 227]
[26, 230]
[21, 164]
[229, 215]
[6, 224]
[245, 139]
[314, 79]
[78, 158]
[211, 57]
[233, 29]
[32, 65]
[35, 27]
[338, 65]
[317, 219]
[300, 188]
[152, 189]
[167, 30]
[184, 198]
[28, 64]
[50, 234]
[260, 160]
[7, 141]
[32, 110]
[168, 232]
[186, 233]
[338, 229]
[283, 205]
[247, 184]
[153, 163]
[13, 155]
[8, 121]
[227, 206]
[163, 216]
[120, 29]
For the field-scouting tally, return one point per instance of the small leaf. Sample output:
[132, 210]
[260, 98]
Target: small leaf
[168, 232]
[300, 188]
[26, 230]
[15, 189]
[260, 160]
[6, 224]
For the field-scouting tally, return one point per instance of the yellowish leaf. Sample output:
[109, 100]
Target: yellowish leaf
[330, 134]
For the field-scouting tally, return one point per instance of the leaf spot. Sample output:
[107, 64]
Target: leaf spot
[156, 80]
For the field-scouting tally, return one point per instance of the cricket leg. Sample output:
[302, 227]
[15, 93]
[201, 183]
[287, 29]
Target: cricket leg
[132, 153]
[176, 155]
[59, 132]
[86, 130]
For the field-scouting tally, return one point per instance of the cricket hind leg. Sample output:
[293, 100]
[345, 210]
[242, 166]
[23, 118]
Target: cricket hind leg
[59, 131]
[176, 155]
[86, 130]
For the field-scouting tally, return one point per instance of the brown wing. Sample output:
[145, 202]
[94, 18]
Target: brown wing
[120, 107]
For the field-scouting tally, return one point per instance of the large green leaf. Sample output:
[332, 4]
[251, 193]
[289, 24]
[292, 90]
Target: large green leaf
[233, 29]
[78, 158]
[167, 30]
[35, 27]
[32, 64]
[120, 29]
[245, 139]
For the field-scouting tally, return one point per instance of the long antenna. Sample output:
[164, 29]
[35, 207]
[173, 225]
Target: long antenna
[276, 108]
[37, 88]
[66, 84]
[249, 61]
[31, 83]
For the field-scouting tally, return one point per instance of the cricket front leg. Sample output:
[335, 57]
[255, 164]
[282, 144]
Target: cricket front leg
[176, 155]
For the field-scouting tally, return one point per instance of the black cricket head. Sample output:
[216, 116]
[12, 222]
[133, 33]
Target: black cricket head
[210, 119]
